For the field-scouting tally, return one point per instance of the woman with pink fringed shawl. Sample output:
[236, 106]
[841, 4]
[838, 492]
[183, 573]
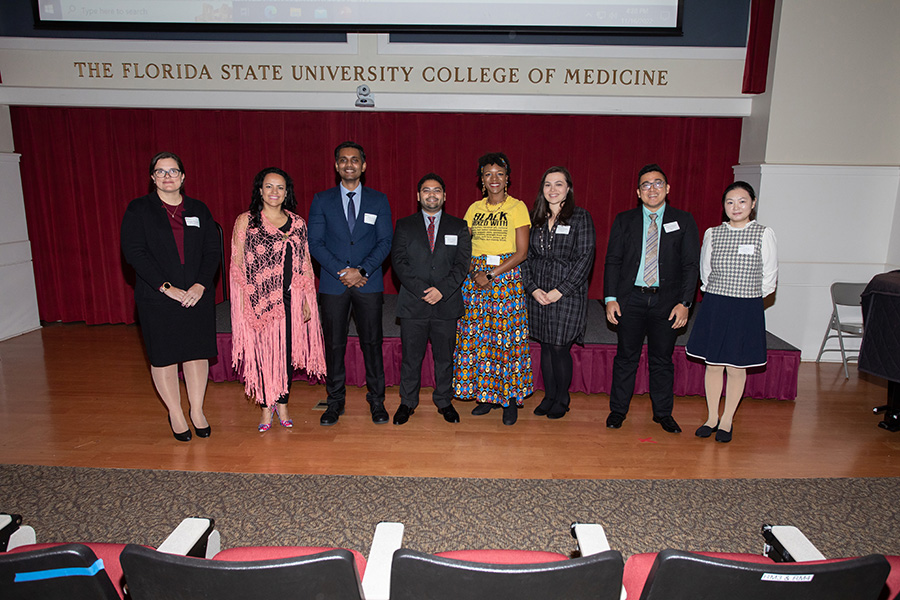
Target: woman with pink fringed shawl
[274, 315]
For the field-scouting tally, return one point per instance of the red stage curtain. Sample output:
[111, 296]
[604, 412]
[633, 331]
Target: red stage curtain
[759, 41]
[81, 167]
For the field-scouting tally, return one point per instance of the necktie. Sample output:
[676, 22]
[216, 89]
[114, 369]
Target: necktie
[651, 251]
[351, 211]
[431, 232]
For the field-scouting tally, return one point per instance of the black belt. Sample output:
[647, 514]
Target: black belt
[646, 290]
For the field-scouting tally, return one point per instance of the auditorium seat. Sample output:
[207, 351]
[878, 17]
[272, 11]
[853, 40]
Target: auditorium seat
[56, 572]
[275, 573]
[504, 574]
[99, 560]
[13, 533]
[674, 574]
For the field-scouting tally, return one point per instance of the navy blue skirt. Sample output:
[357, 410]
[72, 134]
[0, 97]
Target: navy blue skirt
[729, 331]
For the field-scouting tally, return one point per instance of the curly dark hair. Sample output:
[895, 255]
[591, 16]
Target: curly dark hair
[493, 158]
[256, 201]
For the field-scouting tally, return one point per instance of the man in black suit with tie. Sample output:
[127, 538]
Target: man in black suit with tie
[430, 254]
[652, 266]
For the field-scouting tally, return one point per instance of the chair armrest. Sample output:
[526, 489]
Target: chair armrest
[591, 538]
[194, 536]
[13, 534]
[785, 543]
[376, 582]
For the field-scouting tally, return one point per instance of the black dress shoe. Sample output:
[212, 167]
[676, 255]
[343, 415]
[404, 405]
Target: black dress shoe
[484, 408]
[379, 415]
[668, 423]
[510, 414]
[615, 420]
[402, 414]
[544, 407]
[724, 436]
[332, 413]
[705, 431]
[558, 411]
[184, 436]
[450, 414]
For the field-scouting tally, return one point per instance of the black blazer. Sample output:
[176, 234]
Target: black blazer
[418, 268]
[149, 247]
[679, 256]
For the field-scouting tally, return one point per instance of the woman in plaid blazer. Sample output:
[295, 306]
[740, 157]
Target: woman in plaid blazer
[560, 257]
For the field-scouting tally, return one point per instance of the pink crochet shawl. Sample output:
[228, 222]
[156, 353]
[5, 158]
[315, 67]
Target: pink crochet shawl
[257, 307]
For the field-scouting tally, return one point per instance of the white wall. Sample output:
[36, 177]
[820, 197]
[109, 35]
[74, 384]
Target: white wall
[821, 147]
[18, 297]
[832, 224]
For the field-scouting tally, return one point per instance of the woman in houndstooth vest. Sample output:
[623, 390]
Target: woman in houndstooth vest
[738, 268]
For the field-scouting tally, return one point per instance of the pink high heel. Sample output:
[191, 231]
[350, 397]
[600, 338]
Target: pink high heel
[287, 424]
[264, 427]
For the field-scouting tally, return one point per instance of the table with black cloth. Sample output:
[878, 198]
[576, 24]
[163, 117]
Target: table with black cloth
[879, 354]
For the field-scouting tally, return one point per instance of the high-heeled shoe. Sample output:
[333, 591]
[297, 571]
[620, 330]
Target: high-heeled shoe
[184, 436]
[264, 427]
[288, 423]
[202, 432]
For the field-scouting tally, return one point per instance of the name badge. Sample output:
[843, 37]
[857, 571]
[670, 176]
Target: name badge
[670, 227]
[563, 229]
[192, 221]
[746, 249]
[449, 240]
[369, 218]
[493, 261]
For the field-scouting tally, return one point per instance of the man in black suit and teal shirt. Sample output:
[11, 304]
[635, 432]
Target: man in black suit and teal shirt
[652, 266]
[430, 255]
[350, 236]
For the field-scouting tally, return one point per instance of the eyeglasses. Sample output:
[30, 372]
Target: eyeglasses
[170, 172]
[658, 184]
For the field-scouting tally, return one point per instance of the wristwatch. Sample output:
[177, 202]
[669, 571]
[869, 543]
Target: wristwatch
[362, 271]
[166, 285]
[490, 276]
[687, 304]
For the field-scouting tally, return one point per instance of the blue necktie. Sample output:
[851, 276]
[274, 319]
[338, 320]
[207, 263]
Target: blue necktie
[351, 211]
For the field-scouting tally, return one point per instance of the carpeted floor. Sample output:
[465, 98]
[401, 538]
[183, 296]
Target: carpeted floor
[843, 517]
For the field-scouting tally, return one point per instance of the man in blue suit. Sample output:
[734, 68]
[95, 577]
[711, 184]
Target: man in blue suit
[350, 236]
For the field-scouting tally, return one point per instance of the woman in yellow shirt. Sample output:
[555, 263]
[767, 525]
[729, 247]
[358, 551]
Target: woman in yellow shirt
[492, 364]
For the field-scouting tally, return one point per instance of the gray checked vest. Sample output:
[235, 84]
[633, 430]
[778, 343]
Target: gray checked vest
[735, 271]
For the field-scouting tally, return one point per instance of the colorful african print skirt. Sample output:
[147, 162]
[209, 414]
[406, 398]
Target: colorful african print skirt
[492, 362]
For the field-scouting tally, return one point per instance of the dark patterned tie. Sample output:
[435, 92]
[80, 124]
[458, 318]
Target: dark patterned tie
[651, 252]
[431, 232]
[351, 211]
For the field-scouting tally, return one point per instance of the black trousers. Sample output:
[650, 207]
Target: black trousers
[335, 312]
[414, 336]
[643, 314]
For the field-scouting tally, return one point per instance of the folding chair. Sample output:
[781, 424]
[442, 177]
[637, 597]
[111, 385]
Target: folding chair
[843, 294]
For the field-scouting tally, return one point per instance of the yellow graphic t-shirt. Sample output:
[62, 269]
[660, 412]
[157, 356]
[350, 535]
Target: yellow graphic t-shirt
[494, 227]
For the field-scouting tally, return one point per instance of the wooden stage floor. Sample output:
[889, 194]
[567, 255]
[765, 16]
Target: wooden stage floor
[77, 395]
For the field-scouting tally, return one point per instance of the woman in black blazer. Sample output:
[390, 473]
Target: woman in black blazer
[172, 243]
